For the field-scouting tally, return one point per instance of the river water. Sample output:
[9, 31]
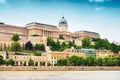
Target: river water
[59, 75]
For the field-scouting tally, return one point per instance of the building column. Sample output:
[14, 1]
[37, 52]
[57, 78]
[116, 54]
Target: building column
[38, 63]
[26, 63]
[53, 63]
[18, 63]
[48, 34]
[46, 63]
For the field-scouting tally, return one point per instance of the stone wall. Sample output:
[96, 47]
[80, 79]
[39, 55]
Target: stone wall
[58, 68]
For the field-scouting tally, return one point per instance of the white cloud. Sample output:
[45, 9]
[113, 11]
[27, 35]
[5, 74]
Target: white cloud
[2, 1]
[96, 0]
[99, 8]
[101, 1]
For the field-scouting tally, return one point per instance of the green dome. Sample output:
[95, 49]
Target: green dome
[63, 21]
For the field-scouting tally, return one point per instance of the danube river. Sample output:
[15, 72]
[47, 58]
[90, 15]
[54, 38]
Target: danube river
[59, 75]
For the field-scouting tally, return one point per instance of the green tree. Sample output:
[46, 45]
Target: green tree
[81, 61]
[95, 39]
[74, 60]
[31, 62]
[86, 43]
[71, 44]
[48, 64]
[105, 61]
[11, 62]
[62, 62]
[40, 47]
[102, 44]
[42, 63]
[115, 48]
[55, 46]
[63, 46]
[37, 53]
[110, 62]
[78, 47]
[50, 42]
[115, 62]
[15, 46]
[1, 61]
[28, 46]
[118, 61]
[15, 37]
[36, 63]
[99, 62]
[61, 37]
[90, 61]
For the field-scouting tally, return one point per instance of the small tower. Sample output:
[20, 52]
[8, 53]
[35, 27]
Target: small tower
[63, 24]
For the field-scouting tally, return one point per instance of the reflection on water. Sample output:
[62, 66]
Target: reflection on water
[59, 75]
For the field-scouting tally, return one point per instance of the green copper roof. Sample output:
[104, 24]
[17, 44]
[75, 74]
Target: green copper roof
[86, 32]
[63, 21]
[41, 24]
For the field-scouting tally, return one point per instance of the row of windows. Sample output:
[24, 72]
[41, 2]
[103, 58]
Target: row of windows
[57, 57]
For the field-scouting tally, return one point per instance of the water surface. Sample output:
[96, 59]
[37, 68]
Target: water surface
[59, 75]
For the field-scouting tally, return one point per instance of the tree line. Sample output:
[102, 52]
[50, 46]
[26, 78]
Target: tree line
[71, 61]
[57, 46]
[100, 44]
[88, 61]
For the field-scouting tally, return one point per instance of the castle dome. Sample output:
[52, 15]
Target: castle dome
[63, 21]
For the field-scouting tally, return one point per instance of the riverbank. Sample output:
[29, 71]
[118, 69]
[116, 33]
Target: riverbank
[57, 68]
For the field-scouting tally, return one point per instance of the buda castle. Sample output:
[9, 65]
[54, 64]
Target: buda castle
[39, 32]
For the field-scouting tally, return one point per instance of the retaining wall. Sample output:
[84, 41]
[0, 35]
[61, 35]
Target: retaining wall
[58, 68]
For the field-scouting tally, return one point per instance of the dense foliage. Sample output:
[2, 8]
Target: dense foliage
[40, 47]
[15, 46]
[73, 61]
[11, 62]
[88, 61]
[56, 46]
[30, 62]
[86, 43]
[100, 44]
[1, 61]
[62, 62]
[35, 35]
[15, 37]
[61, 37]
[37, 53]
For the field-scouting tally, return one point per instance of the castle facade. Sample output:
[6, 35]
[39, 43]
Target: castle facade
[38, 33]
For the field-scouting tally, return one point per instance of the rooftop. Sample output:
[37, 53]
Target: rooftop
[1, 23]
[63, 21]
[41, 24]
[86, 32]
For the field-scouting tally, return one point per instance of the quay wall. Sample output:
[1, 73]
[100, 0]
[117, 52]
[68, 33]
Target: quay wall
[57, 68]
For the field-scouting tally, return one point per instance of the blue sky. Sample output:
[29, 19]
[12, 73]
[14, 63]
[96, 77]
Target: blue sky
[102, 16]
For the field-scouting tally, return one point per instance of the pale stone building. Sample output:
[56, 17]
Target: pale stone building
[39, 32]
[104, 53]
[52, 57]
[83, 34]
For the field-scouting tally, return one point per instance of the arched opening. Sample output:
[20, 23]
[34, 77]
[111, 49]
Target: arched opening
[1, 56]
